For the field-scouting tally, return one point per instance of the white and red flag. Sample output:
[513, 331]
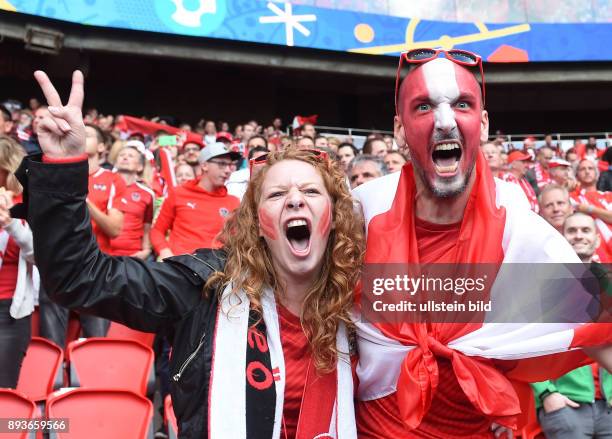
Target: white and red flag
[488, 359]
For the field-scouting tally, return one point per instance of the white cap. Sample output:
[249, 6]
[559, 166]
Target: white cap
[139, 146]
[216, 150]
[555, 163]
[136, 144]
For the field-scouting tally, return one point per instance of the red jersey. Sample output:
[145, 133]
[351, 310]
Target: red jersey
[298, 355]
[601, 200]
[451, 413]
[137, 208]
[105, 191]
[194, 218]
[526, 187]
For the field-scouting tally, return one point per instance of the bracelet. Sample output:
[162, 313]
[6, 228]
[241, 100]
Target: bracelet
[589, 209]
[544, 394]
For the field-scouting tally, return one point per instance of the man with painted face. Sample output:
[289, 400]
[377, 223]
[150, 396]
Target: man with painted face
[428, 379]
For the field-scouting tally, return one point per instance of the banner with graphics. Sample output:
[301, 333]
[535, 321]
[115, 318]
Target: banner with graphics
[288, 24]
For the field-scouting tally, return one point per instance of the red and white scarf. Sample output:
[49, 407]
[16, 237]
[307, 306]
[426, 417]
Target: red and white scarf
[526, 187]
[327, 405]
[542, 175]
[497, 227]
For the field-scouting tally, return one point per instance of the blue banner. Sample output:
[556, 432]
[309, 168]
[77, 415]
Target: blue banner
[331, 29]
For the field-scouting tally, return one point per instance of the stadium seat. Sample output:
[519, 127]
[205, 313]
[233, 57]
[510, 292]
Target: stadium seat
[101, 414]
[41, 371]
[119, 331]
[100, 362]
[170, 418]
[14, 404]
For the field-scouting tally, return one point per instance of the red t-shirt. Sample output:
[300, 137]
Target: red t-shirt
[194, 218]
[298, 356]
[9, 269]
[451, 413]
[137, 208]
[105, 191]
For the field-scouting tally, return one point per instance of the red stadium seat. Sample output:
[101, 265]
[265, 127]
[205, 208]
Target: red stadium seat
[100, 362]
[101, 414]
[119, 331]
[170, 419]
[41, 371]
[14, 404]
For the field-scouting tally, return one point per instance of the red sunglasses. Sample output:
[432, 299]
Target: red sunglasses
[322, 155]
[421, 56]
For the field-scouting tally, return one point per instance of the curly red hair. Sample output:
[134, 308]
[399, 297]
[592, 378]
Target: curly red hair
[249, 264]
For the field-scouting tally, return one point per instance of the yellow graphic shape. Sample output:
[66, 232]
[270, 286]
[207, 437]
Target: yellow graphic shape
[445, 42]
[364, 33]
[5, 5]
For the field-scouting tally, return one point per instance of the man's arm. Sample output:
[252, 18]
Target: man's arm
[162, 225]
[597, 212]
[548, 394]
[601, 354]
[146, 244]
[110, 223]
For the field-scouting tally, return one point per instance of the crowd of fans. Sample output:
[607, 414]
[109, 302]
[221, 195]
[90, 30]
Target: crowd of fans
[159, 192]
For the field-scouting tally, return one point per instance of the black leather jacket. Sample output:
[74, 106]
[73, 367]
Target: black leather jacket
[149, 296]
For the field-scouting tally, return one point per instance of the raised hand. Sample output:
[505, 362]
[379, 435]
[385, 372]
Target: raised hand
[62, 134]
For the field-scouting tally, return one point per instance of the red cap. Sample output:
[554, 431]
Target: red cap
[224, 135]
[194, 140]
[518, 155]
[555, 163]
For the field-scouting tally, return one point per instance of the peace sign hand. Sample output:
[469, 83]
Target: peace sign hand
[63, 133]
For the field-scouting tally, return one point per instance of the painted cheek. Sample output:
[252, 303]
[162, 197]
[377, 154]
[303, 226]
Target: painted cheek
[267, 224]
[418, 126]
[325, 223]
[468, 121]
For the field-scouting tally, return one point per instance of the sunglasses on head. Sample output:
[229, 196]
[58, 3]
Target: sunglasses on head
[421, 56]
[322, 155]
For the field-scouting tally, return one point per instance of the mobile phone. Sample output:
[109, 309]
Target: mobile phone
[166, 140]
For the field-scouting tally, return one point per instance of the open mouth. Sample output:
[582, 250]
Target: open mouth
[298, 235]
[446, 156]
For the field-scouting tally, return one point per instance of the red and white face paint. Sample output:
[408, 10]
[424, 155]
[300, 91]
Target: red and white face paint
[441, 122]
[295, 219]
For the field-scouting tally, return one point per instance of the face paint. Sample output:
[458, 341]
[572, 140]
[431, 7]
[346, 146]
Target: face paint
[441, 116]
[325, 223]
[293, 203]
[267, 224]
